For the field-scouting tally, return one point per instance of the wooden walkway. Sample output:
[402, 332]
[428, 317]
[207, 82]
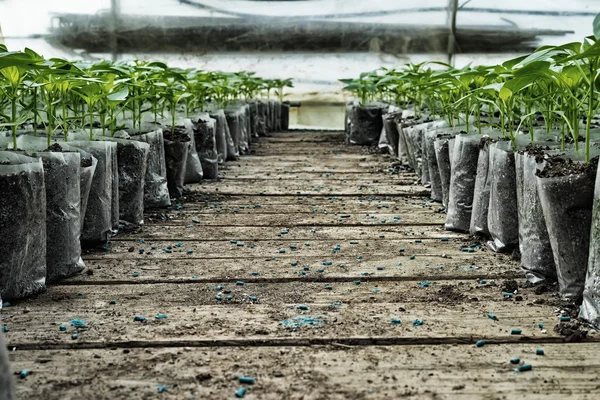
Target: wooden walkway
[312, 267]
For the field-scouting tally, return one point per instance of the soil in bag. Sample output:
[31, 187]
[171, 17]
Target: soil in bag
[7, 388]
[87, 170]
[590, 309]
[221, 137]
[365, 125]
[98, 219]
[391, 131]
[193, 165]
[156, 192]
[206, 146]
[22, 226]
[481, 193]
[566, 190]
[285, 116]
[534, 243]
[503, 217]
[63, 213]
[132, 160]
[276, 115]
[442, 156]
[235, 128]
[464, 158]
[263, 109]
[176, 152]
[435, 177]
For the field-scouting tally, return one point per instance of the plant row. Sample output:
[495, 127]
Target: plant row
[86, 147]
[511, 151]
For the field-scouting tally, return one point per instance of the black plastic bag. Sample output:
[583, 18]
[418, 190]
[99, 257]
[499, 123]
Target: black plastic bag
[566, 190]
[365, 125]
[442, 155]
[503, 217]
[176, 153]
[206, 145]
[391, 131]
[285, 116]
[464, 156]
[221, 137]
[537, 259]
[590, 309]
[22, 226]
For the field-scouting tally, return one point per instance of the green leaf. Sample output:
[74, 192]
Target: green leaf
[12, 75]
[596, 26]
[121, 95]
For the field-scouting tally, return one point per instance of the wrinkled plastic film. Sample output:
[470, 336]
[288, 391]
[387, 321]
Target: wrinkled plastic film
[481, 193]
[590, 309]
[391, 132]
[156, 191]
[534, 243]
[220, 135]
[132, 160]
[442, 156]
[432, 164]
[464, 156]
[22, 226]
[503, 217]
[193, 166]
[567, 205]
[206, 145]
[365, 125]
[176, 153]
[98, 219]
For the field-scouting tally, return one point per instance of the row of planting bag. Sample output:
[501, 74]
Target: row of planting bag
[526, 195]
[81, 190]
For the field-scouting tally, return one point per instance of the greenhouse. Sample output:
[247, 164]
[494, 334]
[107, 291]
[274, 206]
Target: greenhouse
[299, 199]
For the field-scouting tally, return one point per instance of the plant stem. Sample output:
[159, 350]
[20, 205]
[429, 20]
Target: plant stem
[14, 120]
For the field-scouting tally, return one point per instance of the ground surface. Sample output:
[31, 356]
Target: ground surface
[251, 284]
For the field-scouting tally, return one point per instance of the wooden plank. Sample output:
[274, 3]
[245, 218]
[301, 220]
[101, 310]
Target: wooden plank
[157, 231]
[268, 188]
[467, 266]
[447, 309]
[191, 219]
[324, 249]
[321, 372]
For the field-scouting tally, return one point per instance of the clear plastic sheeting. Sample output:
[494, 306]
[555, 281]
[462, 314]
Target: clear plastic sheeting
[22, 226]
[206, 144]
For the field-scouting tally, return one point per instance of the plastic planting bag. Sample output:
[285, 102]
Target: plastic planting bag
[442, 156]
[221, 137]
[566, 190]
[156, 192]
[62, 176]
[285, 116]
[590, 309]
[253, 108]
[464, 156]
[503, 217]
[132, 162]
[481, 193]
[347, 114]
[437, 193]
[87, 170]
[98, 220]
[193, 166]
[206, 145]
[22, 226]
[176, 154]
[534, 242]
[365, 125]
[391, 131]
[263, 110]
[7, 388]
